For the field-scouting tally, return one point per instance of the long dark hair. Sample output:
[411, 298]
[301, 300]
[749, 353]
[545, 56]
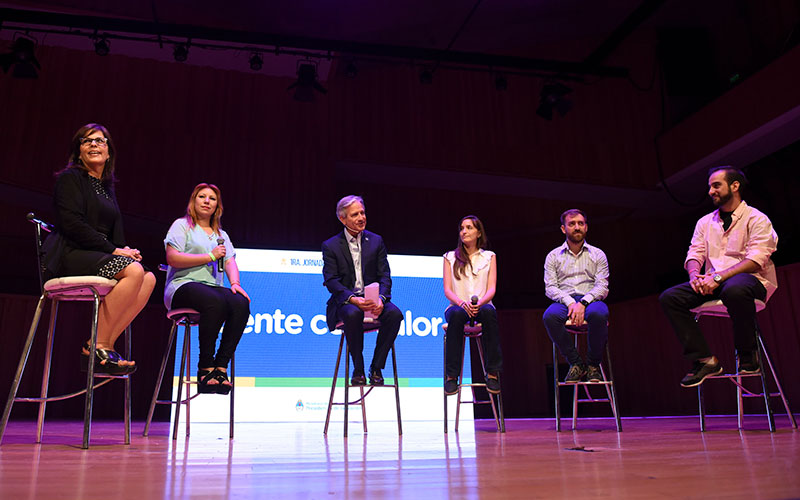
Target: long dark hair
[216, 217]
[74, 159]
[462, 258]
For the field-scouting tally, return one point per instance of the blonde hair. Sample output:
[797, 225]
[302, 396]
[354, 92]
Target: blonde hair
[191, 213]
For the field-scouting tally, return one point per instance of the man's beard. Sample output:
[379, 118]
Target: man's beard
[722, 199]
[576, 238]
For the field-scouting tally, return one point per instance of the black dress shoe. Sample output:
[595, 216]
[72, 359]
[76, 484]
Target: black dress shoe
[375, 377]
[358, 379]
[492, 385]
[451, 386]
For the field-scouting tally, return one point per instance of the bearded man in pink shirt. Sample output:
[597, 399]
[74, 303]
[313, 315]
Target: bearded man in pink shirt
[728, 259]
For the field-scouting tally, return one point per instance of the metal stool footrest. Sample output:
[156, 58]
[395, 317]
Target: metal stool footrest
[187, 318]
[607, 383]
[368, 326]
[473, 332]
[716, 308]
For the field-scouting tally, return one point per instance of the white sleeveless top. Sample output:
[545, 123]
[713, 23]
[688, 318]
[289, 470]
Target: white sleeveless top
[476, 280]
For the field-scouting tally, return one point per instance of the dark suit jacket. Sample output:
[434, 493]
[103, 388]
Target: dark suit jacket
[340, 273]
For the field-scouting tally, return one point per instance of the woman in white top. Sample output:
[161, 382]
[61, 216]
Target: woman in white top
[194, 245]
[470, 277]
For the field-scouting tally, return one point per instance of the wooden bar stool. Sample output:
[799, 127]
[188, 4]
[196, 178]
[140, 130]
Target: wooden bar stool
[473, 333]
[188, 318]
[717, 309]
[577, 332]
[369, 326]
[57, 290]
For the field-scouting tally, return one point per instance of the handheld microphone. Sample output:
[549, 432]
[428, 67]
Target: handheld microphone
[220, 261]
[474, 300]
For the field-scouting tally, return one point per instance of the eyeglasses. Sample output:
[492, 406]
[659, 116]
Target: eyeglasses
[100, 141]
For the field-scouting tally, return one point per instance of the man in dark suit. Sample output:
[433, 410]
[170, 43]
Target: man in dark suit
[352, 260]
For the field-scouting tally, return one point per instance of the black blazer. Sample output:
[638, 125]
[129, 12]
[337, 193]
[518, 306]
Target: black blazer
[76, 209]
[340, 273]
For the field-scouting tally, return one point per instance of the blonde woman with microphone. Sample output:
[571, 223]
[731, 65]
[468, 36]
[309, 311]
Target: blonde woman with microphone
[470, 278]
[199, 251]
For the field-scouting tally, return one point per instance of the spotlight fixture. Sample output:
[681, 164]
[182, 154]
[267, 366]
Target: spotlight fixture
[180, 52]
[256, 61]
[500, 82]
[306, 82]
[101, 45]
[426, 76]
[22, 58]
[553, 97]
[351, 70]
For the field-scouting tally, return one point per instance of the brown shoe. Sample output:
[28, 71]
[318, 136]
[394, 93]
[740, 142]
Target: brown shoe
[575, 374]
[375, 377]
[358, 379]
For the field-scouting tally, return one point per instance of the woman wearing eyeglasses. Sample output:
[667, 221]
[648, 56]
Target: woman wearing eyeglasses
[199, 251]
[89, 241]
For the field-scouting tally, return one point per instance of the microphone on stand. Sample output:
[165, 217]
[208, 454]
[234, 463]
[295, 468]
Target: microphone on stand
[44, 225]
[474, 300]
[220, 263]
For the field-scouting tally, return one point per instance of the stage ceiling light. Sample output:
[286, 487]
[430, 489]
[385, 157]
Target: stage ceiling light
[426, 77]
[256, 61]
[553, 97]
[180, 52]
[306, 82]
[351, 70]
[22, 58]
[500, 82]
[102, 46]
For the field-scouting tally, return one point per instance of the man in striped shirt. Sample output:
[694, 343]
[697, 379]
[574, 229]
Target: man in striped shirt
[576, 280]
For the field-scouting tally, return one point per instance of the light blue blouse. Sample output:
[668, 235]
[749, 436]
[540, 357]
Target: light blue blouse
[186, 239]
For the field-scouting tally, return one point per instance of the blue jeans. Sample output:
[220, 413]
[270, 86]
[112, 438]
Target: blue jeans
[596, 316]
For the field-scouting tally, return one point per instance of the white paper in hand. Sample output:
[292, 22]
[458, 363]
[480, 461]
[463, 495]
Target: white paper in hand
[371, 292]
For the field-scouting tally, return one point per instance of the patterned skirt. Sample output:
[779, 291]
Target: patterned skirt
[92, 263]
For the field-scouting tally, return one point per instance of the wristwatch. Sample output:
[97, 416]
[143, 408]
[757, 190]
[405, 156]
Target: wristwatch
[585, 304]
[717, 278]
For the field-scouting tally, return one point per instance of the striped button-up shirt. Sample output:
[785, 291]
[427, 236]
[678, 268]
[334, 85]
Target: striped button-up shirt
[567, 274]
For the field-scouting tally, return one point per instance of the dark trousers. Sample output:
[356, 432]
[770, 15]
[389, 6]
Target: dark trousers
[456, 318]
[353, 319]
[596, 316]
[217, 305]
[738, 293]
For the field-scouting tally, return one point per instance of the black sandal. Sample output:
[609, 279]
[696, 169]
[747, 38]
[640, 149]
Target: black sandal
[222, 377]
[205, 375]
[112, 359]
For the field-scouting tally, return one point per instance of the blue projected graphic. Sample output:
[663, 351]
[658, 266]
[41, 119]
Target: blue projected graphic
[287, 337]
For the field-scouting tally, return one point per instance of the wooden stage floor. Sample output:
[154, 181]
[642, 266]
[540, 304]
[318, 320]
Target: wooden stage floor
[653, 458]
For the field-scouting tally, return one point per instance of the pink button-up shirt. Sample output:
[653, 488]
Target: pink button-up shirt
[750, 236]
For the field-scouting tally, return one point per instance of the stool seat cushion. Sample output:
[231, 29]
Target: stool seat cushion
[369, 325]
[179, 313]
[468, 329]
[78, 287]
[717, 308]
